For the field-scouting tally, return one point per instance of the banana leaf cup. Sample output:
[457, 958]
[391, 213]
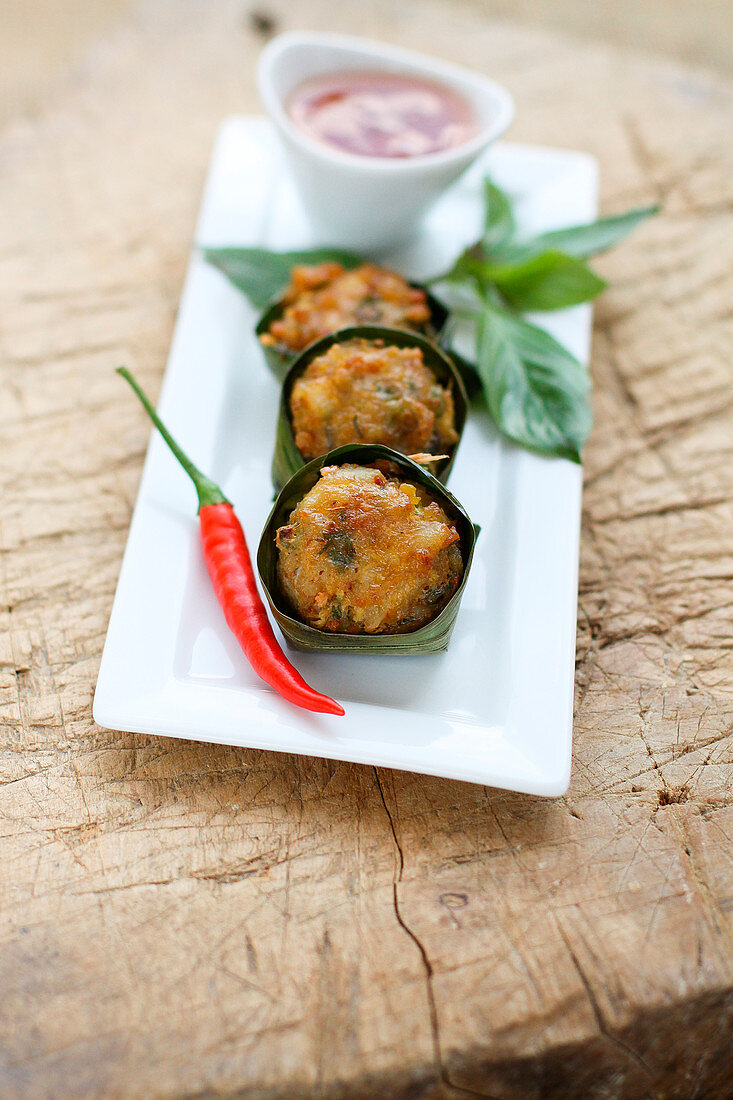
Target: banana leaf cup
[429, 638]
[279, 358]
[287, 458]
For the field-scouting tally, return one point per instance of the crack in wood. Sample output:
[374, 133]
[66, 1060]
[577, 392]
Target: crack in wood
[427, 965]
[604, 1030]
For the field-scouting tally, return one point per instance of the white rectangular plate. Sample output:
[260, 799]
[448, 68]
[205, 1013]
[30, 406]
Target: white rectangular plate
[496, 707]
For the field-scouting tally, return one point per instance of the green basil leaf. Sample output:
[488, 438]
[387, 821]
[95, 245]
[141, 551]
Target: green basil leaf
[581, 241]
[537, 392]
[499, 216]
[468, 268]
[498, 229]
[263, 275]
[551, 280]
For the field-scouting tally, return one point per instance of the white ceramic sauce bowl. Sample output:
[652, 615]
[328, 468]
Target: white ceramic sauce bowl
[364, 202]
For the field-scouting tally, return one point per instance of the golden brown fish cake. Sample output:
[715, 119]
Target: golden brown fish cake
[323, 298]
[362, 391]
[363, 553]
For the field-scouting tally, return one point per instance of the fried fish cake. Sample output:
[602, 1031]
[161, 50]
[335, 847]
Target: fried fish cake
[363, 391]
[323, 298]
[364, 553]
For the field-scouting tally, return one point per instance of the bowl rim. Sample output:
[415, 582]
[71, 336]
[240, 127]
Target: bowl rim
[456, 76]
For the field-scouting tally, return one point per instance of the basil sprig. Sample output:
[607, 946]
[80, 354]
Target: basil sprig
[537, 392]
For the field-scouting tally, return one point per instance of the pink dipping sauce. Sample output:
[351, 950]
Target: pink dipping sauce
[380, 114]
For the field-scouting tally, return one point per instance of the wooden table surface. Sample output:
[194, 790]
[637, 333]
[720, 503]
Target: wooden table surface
[181, 919]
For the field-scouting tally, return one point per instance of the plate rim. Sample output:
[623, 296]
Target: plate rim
[113, 709]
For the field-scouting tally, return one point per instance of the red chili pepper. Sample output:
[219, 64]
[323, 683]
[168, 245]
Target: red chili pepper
[228, 562]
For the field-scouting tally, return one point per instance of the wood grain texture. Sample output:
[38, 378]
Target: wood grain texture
[180, 919]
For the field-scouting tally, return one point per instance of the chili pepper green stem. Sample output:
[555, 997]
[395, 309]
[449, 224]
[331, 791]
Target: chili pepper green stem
[207, 490]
